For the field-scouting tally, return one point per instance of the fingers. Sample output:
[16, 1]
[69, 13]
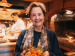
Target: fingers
[23, 53]
[46, 53]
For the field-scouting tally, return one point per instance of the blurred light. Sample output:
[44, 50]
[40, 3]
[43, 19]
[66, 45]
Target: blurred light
[69, 12]
[26, 14]
[54, 16]
[5, 4]
[70, 37]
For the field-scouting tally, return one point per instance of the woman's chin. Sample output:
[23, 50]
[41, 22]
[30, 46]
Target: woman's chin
[37, 25]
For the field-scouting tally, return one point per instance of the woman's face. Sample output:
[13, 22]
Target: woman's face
[37, 16]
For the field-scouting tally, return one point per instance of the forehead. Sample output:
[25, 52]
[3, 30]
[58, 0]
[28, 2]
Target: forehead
[36, 9]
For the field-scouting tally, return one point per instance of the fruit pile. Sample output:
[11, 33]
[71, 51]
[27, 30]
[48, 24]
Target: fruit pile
[33, 52]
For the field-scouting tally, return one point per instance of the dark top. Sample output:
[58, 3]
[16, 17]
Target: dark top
[54, 46]
[36, 38]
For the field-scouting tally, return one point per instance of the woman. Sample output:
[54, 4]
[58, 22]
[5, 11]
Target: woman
[38, 35]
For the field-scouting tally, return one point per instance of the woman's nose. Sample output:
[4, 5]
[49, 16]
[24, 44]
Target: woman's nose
[36, 17]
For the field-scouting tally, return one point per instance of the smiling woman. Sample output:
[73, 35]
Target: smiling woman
[37, 16]
[37, 35]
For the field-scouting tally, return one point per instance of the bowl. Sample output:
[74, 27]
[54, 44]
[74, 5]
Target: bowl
[2, 40]
[12, 40]
[1, 36]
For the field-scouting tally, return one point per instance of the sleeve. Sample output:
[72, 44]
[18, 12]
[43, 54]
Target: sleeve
[22, 25]
[13, 26]
[55, 47]
[18, 44]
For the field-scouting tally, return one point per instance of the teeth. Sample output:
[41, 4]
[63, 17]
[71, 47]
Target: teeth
[37, 20]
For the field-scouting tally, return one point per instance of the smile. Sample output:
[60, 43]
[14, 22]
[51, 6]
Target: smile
[36, 21]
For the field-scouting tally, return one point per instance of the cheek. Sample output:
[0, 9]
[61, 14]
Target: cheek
[42, 18]
[32, 19]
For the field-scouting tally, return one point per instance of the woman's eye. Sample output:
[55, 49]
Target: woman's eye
[39, 14]
[33, 15]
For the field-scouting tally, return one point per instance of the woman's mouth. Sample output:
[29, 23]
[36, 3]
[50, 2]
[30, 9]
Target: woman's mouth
[36, 21]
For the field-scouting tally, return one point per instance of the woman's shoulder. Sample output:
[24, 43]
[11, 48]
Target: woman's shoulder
[50, 31]
[51, 34]
[21, 36]
[23, 31]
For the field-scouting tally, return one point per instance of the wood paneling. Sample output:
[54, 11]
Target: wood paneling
[56, 6]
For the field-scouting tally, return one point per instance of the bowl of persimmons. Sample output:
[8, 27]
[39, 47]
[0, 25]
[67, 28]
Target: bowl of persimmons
[32, 52]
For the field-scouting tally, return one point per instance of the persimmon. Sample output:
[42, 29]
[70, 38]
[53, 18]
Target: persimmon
[28, 54]
[39, 51]
[32, 50]
[33, 55]
[35, 52]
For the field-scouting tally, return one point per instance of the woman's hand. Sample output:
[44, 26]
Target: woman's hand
[46, 53]
[23, 53]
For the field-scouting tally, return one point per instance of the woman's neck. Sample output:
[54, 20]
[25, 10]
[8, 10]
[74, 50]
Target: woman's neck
[39, 29]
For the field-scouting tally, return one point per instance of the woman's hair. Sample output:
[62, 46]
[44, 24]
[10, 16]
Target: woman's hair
[36, 4]
[23, 15]
[14, 14]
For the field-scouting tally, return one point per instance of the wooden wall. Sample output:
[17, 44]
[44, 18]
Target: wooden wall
[54, 7]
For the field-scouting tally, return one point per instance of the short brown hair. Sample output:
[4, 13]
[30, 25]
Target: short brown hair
[23, 15]
[36, 4]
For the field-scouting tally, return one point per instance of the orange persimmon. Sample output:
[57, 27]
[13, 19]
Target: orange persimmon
[28, 54]
[33, 55]
[39, 51]
[35, 52]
